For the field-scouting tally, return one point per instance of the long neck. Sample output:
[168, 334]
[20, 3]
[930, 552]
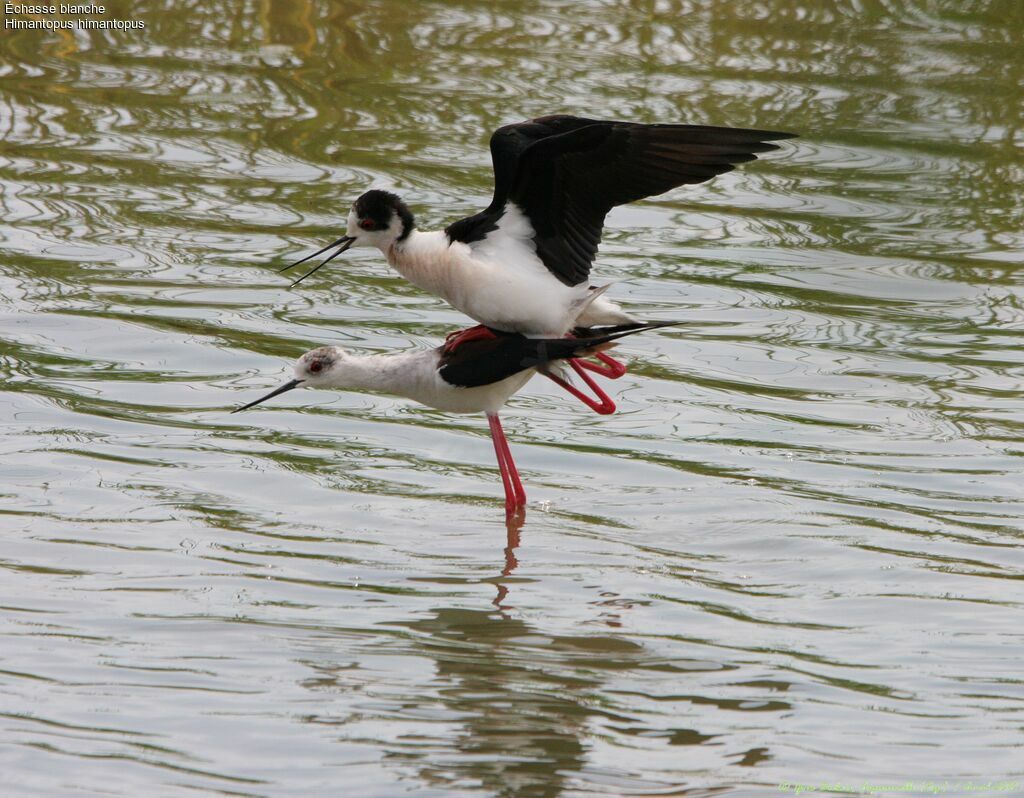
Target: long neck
[399, 374]
[427, 261]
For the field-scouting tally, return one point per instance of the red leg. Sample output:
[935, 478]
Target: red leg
[613, 369]
[515, 495]
[513, 472]
[510, 498]
[603, 404]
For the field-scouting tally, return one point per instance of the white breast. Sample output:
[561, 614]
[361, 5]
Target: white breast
[521, 294]
[498, 281]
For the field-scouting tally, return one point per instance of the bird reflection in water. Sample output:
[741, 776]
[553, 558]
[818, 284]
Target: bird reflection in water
[513, 535]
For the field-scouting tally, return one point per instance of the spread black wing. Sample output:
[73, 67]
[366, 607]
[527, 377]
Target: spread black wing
[565, 173]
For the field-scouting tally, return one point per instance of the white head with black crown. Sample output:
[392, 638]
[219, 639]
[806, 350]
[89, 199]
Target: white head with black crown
[377, 219]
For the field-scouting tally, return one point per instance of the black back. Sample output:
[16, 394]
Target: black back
[565, 173]
[474, 363]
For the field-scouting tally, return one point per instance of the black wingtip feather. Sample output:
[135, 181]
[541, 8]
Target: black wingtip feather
[566, 172]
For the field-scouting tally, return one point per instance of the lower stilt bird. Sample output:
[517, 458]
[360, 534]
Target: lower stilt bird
[478, 375]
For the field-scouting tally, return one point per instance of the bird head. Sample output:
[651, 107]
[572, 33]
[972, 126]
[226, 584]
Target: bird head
[377, 219]
[318, 368]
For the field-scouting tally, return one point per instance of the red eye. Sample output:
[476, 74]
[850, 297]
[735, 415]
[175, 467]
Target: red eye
[316, 367]
[367, 224]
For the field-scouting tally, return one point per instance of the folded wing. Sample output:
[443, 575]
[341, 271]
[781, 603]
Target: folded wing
[486, 360]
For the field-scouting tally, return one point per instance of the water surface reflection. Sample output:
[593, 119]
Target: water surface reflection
[790, 557]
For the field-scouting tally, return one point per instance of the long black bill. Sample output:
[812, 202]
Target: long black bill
[344, 242]
[286, 387]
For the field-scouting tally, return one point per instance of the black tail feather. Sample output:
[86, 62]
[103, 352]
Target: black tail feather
[586, 338]
[599, 335]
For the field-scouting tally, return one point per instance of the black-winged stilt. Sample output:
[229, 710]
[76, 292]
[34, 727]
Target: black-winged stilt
[478, 375]
[522, 265]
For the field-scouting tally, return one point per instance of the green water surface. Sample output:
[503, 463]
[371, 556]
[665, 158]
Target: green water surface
[793, 556]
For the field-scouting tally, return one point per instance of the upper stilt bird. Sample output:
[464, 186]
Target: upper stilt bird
[478, 375]
[522, 265]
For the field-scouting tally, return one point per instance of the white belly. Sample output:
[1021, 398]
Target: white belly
[500, 282]
[509, 300]
[415, 375]
[486, 398]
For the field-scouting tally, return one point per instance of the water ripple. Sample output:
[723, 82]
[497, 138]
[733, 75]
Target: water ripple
[789, 557]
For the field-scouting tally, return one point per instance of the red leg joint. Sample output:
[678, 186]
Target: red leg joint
[613, 369]
[603, 404]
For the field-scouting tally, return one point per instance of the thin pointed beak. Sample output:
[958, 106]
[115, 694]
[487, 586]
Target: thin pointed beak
[286, 387]
[344, 242]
